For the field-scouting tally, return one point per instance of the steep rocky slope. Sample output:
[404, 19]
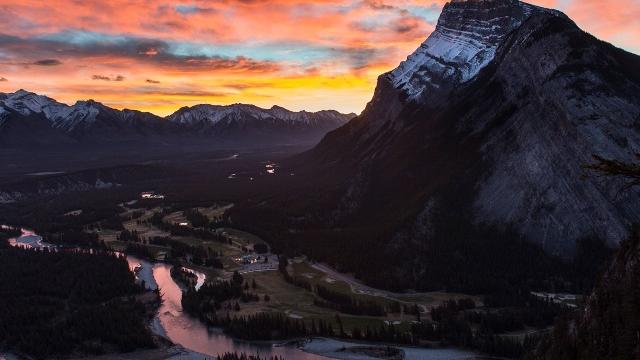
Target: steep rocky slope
[550, 98]
[479, 136]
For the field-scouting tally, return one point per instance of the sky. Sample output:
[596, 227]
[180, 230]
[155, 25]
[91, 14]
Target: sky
[159, 56]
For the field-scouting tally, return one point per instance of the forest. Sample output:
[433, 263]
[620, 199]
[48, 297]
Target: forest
[182, 276]
[457, 256]
[454, 323]
[69, 302]
[608, 327]
[243, 356]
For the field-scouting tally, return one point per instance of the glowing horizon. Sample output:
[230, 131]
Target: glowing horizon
[159, 56]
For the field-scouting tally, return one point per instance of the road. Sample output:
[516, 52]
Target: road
[358, 287]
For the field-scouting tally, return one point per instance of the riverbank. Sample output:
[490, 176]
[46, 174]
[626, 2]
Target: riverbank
[175, 352]
[180, 336]
[197, 341]
[346, 350]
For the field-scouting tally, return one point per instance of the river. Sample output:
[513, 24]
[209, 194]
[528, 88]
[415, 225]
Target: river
[192, 334]
[182, 329]
[28, 239]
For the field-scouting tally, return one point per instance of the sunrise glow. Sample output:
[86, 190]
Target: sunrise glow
[158, 56]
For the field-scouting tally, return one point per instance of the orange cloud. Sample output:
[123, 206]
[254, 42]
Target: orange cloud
[299, 54]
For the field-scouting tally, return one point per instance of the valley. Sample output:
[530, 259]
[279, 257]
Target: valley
[485, 204]
[175, 226]
[295, 302]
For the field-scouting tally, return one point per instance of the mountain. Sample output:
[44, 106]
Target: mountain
[474, 144]
[26, 117]
[240, 120]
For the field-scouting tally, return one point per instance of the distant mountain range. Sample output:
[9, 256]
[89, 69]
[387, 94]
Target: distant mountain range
[28, 118]
[479, 136]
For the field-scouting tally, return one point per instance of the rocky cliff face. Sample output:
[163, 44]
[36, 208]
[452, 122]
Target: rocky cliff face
[465, 40]
[491, 119]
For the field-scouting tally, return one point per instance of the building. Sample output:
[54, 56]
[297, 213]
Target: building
[151, 195]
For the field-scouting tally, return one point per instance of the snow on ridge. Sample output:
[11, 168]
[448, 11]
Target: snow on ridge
[59, 115]
[85, 113]
[464, 42]
[213, 114]
[26, 102]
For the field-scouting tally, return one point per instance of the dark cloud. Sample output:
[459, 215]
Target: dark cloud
[148, 50]
[406, 25]
[238, 86]
[46, 62]
[2, 79]
[108, 78]
[192, 9]
[151, 81]
[165, 25]
[243, 86]
[359, 58]
[379, 5]
[190, 93]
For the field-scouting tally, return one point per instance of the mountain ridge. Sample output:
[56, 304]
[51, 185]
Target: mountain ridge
[472, 128]
[496, 157]
[91, 120]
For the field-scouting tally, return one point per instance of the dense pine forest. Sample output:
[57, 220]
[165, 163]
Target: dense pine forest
[609, 325]
[59, 303]
[459, 258]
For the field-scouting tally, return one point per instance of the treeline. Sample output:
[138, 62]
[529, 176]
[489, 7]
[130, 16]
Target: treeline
[269, 326]
[196, 218]
[194, 254]
[95, 216]
[243, 356]
[457, 256]
[347, 304]
[184, 277]
[74, 238]
[7, 232]
[204, 232]
[330, 299]
[56, 303]
[210, 298]
[383, 333]
[82, 230]
[459, 323]
[277, 326]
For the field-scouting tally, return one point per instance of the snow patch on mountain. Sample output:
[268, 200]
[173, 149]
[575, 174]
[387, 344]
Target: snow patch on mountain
[26, 102]
[69, 117]
[79, 119]
[464, 42]
[213, 114]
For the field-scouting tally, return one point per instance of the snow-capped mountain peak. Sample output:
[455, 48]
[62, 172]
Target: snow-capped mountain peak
[26, 102]
[211, 115]
[93, 120]
[69, 117]
[464, 42]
